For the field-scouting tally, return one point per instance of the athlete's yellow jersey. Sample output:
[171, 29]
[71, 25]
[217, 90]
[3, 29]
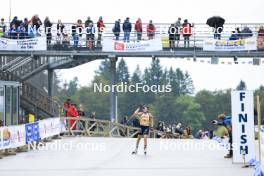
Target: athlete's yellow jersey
[144, 119]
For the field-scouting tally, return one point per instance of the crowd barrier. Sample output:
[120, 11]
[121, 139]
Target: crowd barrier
[21, 135]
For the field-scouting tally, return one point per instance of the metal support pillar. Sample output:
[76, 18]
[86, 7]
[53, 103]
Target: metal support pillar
[113, 105]
[50, 82]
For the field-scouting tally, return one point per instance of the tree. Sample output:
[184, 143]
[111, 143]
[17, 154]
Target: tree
[188, 112]
[72, 87]
[104, 69]
[122, 72]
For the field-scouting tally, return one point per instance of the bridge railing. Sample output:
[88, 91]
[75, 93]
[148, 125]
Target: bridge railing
[200, 32]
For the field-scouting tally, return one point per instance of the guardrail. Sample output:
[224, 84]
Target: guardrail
[200, 32]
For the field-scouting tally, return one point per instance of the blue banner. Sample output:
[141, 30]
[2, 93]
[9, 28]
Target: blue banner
[32, 132]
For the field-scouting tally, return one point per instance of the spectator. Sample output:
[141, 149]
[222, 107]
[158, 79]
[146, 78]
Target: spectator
[72, 112]
[36, 22]
[81, 111]
[138, 29]
[187, 32]
[2, 27]
[100, 27]
[151, 29]
[88, 22]
[21, 31]
[261, 31]
[233, 36]
[179, 129]
[48, 25]
[60, 32]
[15, 22]
[13, 32]
[172, 36]
[77, 32]
[66, 106]
[124, 121]
[127, 27]
[226, 121]
[90, 31]
[117, 29]
[246, 32]
[178, 26]
[238, 32]
[60, 28]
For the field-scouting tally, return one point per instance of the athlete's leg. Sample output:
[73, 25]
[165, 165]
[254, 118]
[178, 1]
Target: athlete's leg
[138, 140]
[145, 140]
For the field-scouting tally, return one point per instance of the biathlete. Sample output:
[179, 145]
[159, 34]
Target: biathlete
[145, 121]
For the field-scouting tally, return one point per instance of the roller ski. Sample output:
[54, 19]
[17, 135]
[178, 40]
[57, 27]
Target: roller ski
[135, 151]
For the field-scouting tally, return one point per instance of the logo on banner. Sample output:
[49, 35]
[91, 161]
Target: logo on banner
[32, 132]
[119, 46]
[6, 137]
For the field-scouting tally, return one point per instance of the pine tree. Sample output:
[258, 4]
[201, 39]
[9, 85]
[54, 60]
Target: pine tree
[122, 72]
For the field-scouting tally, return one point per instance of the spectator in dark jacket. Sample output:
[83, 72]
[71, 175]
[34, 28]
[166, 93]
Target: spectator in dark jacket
[117, 29]
[48, 25]
[172, 35]
[15, 22]
[88, 21]
[100, 26]
[21, 31]
[36, 22]
[13, 32]
[138, 29]
[246, 32]
[127, 27]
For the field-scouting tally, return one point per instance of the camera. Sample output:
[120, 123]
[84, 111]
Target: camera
[214, 122]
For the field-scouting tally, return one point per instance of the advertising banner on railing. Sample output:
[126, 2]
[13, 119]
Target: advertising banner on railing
[50, 127]
[110, 45]
[32, 44]
[230, 45]
[12, 136]
[243, 126]
[32, 132]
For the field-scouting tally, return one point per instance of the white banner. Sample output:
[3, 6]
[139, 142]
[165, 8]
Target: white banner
[50, 127]
[32, 44]
[110, 45]
[230, 45]
[12, 136]
[243, 126]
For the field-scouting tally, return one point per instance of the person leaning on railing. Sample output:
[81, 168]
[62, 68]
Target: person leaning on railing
[261, 32]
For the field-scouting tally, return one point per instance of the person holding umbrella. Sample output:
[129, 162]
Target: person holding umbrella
[217, 23]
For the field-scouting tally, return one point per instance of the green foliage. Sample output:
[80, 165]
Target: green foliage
[180, 105]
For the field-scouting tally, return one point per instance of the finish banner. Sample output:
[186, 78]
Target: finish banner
[110, 45]
[243, 126]
[32, 44]
[230, 45]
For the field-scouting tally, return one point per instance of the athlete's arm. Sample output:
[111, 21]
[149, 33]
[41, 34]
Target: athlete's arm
[137, 113]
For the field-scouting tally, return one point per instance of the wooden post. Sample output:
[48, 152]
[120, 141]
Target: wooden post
[259, 124]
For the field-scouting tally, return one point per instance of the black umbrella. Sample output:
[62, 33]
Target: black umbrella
[215, 21]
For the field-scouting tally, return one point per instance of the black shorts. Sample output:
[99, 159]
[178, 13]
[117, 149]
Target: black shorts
[144, 130]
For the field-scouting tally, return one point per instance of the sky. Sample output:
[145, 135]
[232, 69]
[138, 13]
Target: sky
[205, 76]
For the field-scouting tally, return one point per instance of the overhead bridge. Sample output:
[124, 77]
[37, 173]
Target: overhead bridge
[22, 65]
